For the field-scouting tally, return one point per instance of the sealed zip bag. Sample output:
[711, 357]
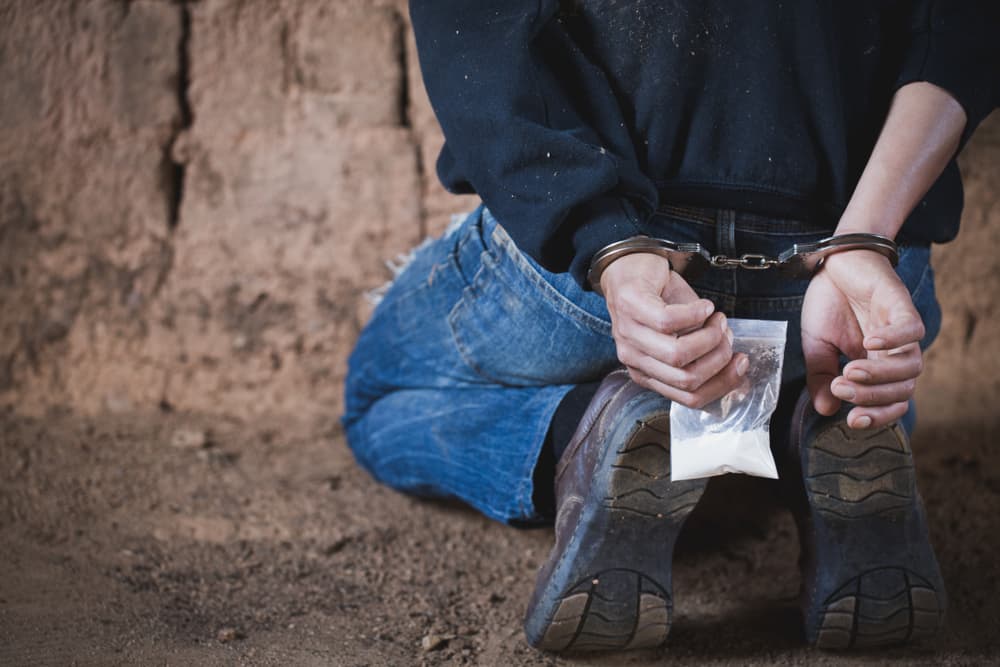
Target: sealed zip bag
[732, 434]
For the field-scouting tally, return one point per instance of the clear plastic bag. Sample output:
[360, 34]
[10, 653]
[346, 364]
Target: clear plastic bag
[732, 434]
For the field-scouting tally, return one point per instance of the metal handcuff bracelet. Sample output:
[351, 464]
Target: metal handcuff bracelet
[800, 261]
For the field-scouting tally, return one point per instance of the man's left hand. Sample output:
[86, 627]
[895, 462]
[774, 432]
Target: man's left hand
[857, 306]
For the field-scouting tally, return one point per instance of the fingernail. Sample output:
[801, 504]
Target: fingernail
[875, 343]
[863, 422]
[858, 375]
[741, 366]
[730, 335]
[723, 323]
[709, 308]
[845, 391]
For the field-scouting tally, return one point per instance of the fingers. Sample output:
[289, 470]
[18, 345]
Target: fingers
[869, 417]
[877, 395]
[902, 331]
[882, 379]
[729, 378]
[673, 350]
[650, 311]
[880, 387]
[685, 362]
[694, 377]
[903, 364]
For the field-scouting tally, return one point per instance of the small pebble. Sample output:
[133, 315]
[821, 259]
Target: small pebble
[226, 635]
[432, 642]
[189, 438]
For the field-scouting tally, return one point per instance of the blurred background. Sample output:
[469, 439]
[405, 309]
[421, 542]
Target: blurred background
[194, 197]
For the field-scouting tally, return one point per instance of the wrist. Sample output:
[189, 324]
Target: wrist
[647, 264]
[669, 252]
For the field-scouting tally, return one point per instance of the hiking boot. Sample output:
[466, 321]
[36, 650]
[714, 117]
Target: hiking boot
[607, 582]
[870, 577]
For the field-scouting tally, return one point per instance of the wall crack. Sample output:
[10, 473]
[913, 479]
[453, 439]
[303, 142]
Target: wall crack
[174, 165]
[406, 115]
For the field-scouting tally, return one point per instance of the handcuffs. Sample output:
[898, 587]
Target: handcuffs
[800, 261]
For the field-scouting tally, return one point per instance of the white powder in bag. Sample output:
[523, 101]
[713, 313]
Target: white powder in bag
[746, 452]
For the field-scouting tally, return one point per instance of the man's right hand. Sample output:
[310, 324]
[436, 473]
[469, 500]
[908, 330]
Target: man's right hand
[671, 341]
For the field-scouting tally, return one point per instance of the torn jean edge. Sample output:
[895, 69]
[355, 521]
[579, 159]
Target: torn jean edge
[400, 263]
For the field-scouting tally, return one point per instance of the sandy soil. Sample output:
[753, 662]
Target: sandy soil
[178, 539]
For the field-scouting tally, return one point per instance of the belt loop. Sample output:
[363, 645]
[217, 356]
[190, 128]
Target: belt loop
[725, 232]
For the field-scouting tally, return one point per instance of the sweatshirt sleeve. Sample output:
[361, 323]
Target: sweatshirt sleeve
[532, 126]
[955, 44]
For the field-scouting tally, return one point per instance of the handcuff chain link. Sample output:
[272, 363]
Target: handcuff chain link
[751, 261]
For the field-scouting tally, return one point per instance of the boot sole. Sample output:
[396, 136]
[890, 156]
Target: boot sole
[877, 581]
[611, 589]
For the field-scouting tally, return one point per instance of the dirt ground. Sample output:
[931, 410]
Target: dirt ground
[180, 539]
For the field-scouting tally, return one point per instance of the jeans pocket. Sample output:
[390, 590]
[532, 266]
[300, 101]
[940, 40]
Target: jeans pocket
[513, 328]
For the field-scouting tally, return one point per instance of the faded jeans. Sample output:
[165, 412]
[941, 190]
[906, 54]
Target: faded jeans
[454, 381]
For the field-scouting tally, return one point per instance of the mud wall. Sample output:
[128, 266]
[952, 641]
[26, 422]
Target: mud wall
[195, 195]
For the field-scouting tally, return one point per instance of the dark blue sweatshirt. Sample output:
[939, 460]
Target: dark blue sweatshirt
[574, 120]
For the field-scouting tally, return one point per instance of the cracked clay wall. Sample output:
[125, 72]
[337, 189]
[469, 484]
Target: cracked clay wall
[195, 195]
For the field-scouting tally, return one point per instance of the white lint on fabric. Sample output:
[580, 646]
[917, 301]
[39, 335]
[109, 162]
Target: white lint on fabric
[403, 260]
[732, 434]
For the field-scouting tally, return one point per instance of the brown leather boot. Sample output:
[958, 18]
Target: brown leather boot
[607, 582]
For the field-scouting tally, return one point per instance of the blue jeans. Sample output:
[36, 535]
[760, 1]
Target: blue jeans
[454, 381]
